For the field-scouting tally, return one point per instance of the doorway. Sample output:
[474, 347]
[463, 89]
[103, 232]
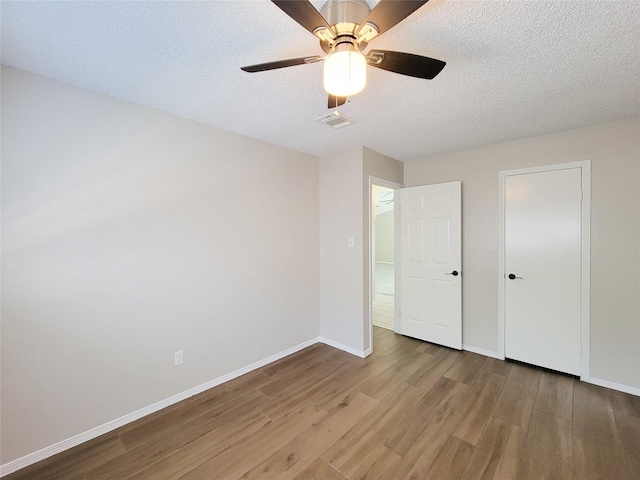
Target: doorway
[544, 266]
[383, 257]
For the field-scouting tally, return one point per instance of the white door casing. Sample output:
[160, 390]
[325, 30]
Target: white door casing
[431, 264]
[544, 310]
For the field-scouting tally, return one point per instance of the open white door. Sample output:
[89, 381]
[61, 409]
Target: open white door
[431, 262]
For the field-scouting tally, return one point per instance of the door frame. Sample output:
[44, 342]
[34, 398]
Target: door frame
[381, 182]
[585, 255]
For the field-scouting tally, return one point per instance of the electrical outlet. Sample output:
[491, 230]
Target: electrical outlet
[179, 358]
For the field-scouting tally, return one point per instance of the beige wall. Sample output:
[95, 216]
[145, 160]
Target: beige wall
[384, 235]
[341, 286]
[386, 168]
[614, 151]
[129, 234]
[344, 270]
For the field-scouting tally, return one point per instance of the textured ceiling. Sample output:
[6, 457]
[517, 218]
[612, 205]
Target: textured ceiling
[514, 68]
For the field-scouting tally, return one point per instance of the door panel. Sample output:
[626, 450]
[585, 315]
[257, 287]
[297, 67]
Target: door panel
[543, 252]
[431, 297]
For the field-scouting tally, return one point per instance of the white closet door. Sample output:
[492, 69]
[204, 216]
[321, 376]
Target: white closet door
[542, 265]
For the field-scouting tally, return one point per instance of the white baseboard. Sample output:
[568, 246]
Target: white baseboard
[76, 440]
[614, 386]
[344, 348]
[481, 351]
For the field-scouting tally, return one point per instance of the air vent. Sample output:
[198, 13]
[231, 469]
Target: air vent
[335, 120]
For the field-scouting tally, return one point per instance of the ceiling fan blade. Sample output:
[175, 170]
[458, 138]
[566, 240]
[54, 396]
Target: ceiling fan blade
[335, 102]
[388, 13]
[406, 63]
[303, 12]
[292, 62]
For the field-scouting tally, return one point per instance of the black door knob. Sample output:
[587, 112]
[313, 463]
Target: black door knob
[454, 273]
[512, 276]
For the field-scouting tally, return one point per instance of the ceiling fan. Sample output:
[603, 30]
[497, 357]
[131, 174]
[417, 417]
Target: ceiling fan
[344, 28]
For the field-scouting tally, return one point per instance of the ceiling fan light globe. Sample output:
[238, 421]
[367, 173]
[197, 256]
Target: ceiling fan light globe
[345, 73]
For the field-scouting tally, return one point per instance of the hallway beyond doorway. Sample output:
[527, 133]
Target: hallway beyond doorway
[383, 303]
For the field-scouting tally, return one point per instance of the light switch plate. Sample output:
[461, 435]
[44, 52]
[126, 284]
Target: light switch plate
[179, 358]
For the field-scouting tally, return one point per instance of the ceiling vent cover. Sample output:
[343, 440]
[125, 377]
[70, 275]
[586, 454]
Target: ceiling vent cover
[335, 120]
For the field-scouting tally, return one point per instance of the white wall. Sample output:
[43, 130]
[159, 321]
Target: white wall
[129, 234]
[614, 150]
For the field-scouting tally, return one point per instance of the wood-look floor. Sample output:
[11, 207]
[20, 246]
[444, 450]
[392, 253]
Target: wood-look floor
[412, 410]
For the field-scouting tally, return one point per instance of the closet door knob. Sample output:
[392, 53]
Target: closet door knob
[454, 273]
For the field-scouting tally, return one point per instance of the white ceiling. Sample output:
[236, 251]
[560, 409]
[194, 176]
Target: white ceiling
[514, 68]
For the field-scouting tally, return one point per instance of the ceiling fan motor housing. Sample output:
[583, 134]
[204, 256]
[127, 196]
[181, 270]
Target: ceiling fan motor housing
[345, 15]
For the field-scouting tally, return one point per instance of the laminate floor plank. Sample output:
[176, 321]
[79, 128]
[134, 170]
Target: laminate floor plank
[308, 356]
[301, 377]
[350, 458]
[477, 407]
[499, 367]
[549, 437]
[333, 394]
[196, 417]
[625, 403]
[320, 470]
[515, 404]
[301, 451]
[363, 440]
[497, 454]
[383, 342]
[387, 465]
[449, 463]
[403, 346]
[431, 373]
[382, 385]
[466, 421]
[555, 395]
[73, 467]
[198, 461]
[411, 410]
[467, 368]
[380, 333]
[300, 393]
[146, 454]
[193, 454]
[412, 436]
[597, 448]
[629, 432]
